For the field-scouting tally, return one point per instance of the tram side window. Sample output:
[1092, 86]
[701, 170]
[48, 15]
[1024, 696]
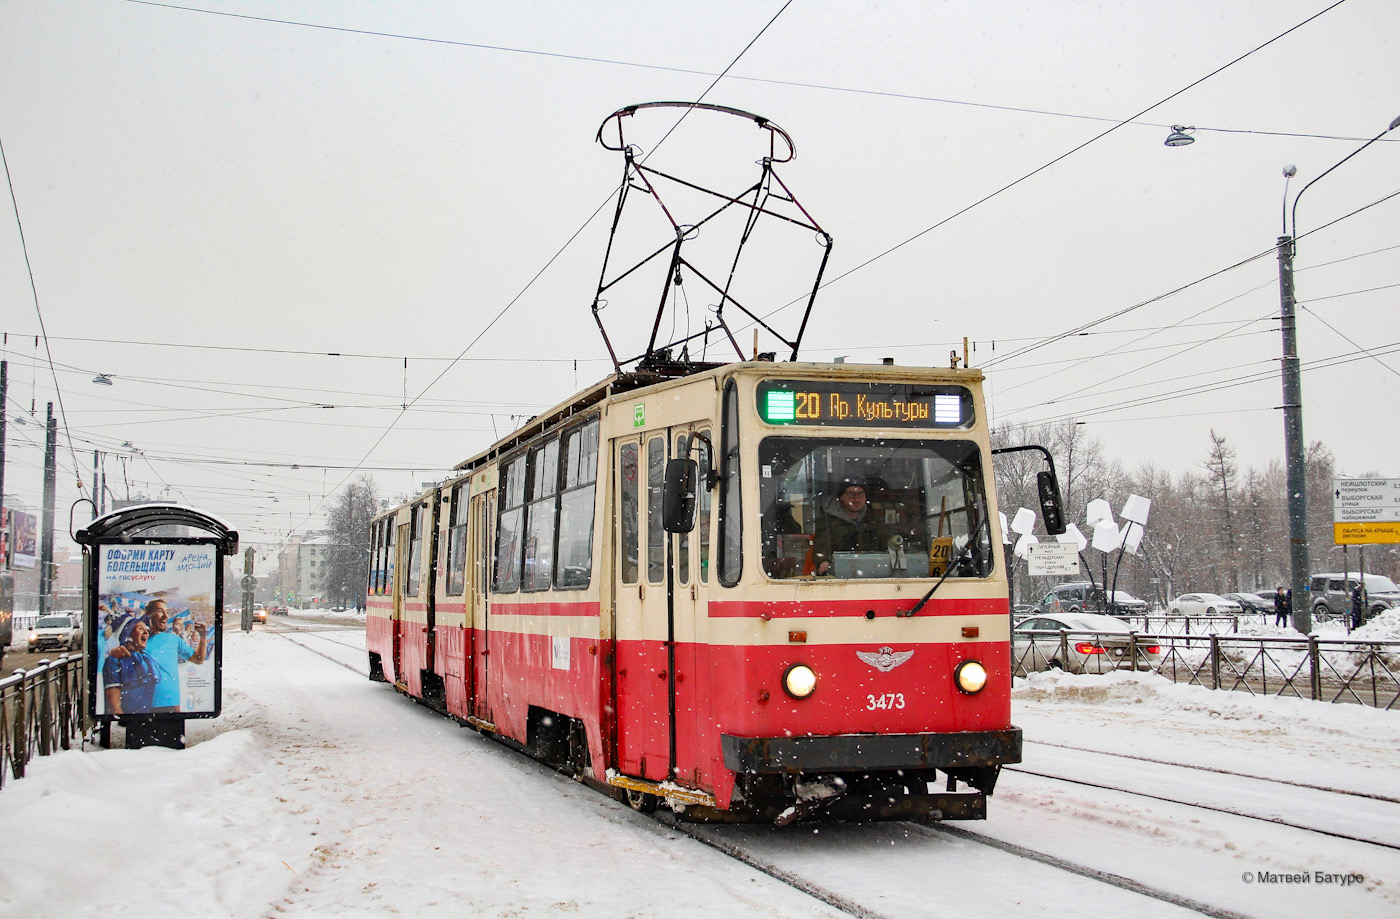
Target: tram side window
[872, 508]
[384, 543]
[656, 536]
[376, 569]
[539, 516]
[390, 535]
[456, 561]
[373, 573]
[574, 558]
[627, 509]
[509, 530]
[415, 549]
[731, 531]
[702, 506]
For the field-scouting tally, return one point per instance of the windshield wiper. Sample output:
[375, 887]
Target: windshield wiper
[963, 555]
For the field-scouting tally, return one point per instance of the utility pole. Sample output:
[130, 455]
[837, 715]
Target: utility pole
[46, 549]
[249, 583]
[1293, 457]
[1293, 403]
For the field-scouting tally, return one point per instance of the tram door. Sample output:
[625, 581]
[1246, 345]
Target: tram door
[690, 563]
[481, 526]
[643, 655]
[401, 554]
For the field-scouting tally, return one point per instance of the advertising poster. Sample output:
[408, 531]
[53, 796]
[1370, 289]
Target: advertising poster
[157, 630]
[24, 540]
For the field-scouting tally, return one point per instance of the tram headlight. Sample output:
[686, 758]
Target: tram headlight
[971, 677]
[800, 681]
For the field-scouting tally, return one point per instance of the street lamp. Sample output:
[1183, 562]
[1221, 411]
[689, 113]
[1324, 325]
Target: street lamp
[1293, 406]
[1179, 137]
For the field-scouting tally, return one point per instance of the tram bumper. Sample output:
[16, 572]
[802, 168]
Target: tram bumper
[871, 752]
[867, 777]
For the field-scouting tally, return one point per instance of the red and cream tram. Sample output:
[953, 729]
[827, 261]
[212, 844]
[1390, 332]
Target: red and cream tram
[666, 586]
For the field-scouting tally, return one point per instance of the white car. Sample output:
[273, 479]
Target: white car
[55, 633]
[1204, 605]
[1079, 643]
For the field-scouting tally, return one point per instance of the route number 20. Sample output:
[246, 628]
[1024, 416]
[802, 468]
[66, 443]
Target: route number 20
[884, 701]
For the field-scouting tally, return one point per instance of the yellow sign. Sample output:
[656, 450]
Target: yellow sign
[1365, 534]
[940, 553]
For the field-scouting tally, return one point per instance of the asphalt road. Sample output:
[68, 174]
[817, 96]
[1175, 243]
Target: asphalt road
[23, 660]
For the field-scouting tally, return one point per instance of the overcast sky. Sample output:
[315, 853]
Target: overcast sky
[214, 199]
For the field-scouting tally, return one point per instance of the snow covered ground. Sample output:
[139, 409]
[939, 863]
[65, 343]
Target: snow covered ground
[320, 793]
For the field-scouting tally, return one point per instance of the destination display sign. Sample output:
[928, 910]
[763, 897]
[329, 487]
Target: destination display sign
[851, 404]
[1365, 511]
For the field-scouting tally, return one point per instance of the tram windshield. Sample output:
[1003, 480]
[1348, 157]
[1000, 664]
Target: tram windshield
[872, 508]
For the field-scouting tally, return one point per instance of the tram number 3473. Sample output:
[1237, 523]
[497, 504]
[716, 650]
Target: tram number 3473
[884, 701]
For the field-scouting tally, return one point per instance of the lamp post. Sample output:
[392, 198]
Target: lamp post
[1293, 446]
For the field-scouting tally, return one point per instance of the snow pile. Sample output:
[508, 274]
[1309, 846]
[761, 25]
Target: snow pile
[1385, 627]
[126, 824]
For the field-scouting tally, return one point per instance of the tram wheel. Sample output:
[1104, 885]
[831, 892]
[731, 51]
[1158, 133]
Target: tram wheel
[640, 801]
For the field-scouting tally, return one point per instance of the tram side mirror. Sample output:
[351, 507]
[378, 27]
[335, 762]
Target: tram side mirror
[1051, 509]
[678, 496]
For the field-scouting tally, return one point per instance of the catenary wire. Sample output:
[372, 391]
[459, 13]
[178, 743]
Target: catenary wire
[796, 84]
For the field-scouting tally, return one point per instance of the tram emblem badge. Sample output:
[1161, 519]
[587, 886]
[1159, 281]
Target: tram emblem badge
[885, 659]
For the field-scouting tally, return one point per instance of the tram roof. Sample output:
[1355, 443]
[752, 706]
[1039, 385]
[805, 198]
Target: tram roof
[618, 383]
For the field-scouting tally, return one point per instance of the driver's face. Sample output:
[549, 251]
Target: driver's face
[853, 499]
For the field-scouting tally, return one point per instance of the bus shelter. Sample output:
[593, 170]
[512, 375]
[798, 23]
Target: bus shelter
[153, 599]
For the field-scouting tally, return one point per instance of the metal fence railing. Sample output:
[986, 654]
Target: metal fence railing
[1167, 624]
[41, 711]
[1307, 667]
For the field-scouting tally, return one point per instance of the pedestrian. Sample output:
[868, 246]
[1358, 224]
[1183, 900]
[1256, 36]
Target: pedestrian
[1281, 604]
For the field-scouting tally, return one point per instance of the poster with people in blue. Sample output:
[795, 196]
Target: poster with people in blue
[157, 628]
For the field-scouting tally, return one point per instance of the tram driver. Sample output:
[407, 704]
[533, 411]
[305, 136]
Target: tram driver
[846, 524]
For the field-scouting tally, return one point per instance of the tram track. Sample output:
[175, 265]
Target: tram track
[713, 838]
[288, 633]
[1207, 807]
[1219, 771]
[1113, 880]
[1335, 813]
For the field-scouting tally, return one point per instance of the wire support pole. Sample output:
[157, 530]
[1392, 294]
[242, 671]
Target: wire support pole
[1295, 461]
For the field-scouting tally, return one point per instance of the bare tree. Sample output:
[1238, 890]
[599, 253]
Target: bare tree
[349, 548]
[1223, 469]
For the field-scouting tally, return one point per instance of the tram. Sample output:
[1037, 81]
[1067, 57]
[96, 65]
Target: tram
[754, 590]
[644, 586]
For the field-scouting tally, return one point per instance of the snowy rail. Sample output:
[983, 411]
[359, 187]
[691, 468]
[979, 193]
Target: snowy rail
[41, 711]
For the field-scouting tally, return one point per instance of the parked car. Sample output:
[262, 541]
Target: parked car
[1094, 644]
[1253, 603]
[55, 633]
[1085, 597]
[1331, 594]
[1204, 605]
